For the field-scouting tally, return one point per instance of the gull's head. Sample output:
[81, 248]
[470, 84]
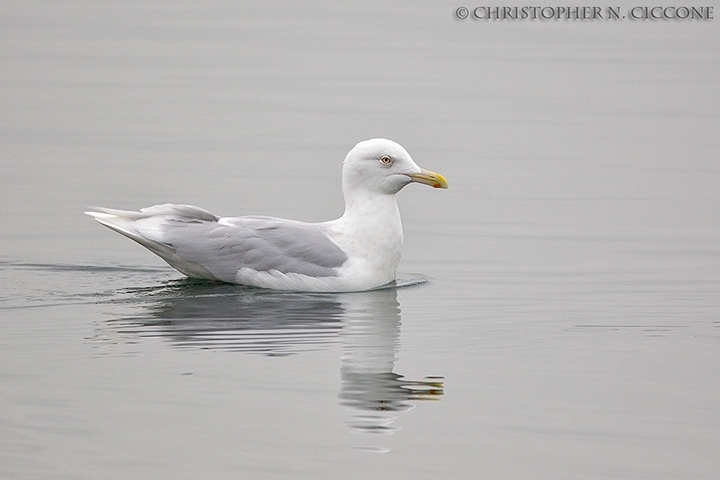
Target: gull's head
[385, 167]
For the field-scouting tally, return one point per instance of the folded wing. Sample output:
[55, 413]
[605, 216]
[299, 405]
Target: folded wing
[203, 245]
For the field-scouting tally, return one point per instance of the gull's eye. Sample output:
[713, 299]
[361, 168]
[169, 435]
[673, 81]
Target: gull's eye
[386, 160]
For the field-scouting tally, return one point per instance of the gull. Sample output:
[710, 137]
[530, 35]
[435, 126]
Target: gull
[358, 251]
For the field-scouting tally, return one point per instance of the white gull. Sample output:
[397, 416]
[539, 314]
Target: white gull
[358, 251]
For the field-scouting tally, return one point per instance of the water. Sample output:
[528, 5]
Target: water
[570, 321]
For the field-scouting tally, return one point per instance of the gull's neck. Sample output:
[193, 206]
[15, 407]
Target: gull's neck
[371, 229]
[376, 211]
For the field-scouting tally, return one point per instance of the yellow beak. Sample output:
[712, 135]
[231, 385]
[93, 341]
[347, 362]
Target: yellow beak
[427, 177]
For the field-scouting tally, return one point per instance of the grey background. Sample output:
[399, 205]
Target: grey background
[574, 264]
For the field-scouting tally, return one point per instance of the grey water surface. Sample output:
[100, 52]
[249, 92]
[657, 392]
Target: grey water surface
[569, 324]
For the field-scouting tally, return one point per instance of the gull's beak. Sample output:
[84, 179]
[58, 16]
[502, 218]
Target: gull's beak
[429, 178]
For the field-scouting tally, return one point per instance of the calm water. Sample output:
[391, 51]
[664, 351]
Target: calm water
[570, 322]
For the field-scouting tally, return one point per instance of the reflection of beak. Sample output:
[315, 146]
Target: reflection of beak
[429, 178]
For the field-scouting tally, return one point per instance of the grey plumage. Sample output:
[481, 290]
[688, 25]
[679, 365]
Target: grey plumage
[200, 244]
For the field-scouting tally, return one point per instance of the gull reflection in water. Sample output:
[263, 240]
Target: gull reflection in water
[370, 387]
[197, 314]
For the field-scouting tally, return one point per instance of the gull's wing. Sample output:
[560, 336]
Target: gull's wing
[203, 245]
[262, 244]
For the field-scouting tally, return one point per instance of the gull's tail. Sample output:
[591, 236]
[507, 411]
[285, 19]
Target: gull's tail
[146, 228]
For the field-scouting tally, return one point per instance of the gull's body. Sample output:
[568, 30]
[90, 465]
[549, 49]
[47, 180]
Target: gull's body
[358, 251]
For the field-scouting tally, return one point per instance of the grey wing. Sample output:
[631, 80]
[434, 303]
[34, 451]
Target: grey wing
[259, 243]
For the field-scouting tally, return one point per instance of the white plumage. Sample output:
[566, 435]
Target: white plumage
[358, 251]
